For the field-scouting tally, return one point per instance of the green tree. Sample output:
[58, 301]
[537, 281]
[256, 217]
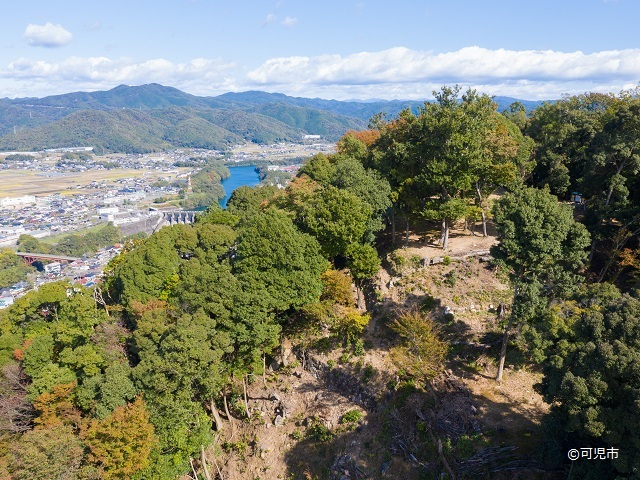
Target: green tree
[614, 211]
[246, 199]
[55, 453]
[591, 380]
[12, 268]
[277, 262]
[183, 364]
[363, 263]
[27, 243]
[457, 150]
[102, 393]
[336, 218]
[367, 185]
[145, 271]
[563, 132]
[542, 246]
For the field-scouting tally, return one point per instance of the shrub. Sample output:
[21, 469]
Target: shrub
[450, 279]
[351, 324]
[337, 288]
[319, 432]
[352, 416]
[358, 347]
[368, 373]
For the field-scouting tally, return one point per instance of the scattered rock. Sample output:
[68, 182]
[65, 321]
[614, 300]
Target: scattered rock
[278, 421]
[437, 260]
[261, 449]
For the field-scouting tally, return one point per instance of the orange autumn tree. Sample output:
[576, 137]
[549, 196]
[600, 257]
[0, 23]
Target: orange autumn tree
[367, 137]
[55, 407]
[121, 443]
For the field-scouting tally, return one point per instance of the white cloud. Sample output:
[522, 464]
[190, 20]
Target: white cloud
[200, 75]
[393, 73]
[289, 21]
[47, 35]
[473, 64]
[269, 19]
[411, 70]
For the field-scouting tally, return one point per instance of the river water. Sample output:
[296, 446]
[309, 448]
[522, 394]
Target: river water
[240, 176]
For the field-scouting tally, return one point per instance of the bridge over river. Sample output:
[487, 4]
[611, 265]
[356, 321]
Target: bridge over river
[30, 257]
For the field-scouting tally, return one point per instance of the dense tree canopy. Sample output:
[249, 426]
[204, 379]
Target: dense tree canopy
[12, 268]
[591, 377]
[443, 163]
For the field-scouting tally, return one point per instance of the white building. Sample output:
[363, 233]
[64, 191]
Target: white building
[108, 210]
[53, 267]
[11, 202]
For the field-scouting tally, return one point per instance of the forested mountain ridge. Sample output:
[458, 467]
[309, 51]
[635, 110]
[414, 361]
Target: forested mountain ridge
[207, 122]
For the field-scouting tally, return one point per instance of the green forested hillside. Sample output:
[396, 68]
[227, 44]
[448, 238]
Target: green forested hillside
[130, 131]
[310, 120]
[137, 131]
[252, 126]
[32, 123]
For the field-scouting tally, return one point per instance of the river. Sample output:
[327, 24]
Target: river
[240, 176]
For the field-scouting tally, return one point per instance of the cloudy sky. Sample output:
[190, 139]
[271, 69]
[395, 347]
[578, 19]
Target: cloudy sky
[342, 49]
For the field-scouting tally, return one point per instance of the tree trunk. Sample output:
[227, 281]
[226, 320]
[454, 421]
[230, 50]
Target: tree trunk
[217, 468]
[442, 230]
[360, 298]
[503, 349]
[193, 469]
[205, 469]
[484, 224]
[216, 416]
[438, 444]
[246, 401]
[445, 242]
[226, 409]
[406, 235]
[481, 204]
[264, 370]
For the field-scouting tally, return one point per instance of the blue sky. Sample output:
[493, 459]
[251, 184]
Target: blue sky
[330, 49]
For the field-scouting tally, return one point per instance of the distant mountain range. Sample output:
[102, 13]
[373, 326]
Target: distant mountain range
[154, 117]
